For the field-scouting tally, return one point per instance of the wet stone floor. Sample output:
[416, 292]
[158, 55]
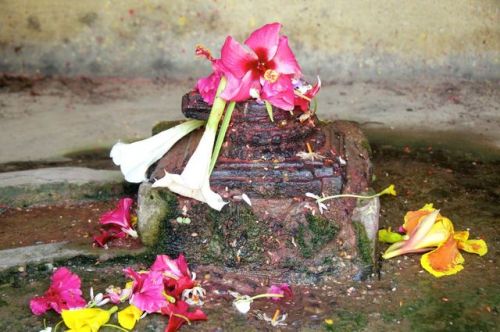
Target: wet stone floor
[400, 296]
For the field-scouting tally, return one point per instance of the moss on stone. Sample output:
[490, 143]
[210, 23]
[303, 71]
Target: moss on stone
[364, 244]
[315, 234]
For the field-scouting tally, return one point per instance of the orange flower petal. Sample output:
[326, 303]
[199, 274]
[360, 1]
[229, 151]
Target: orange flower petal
[461, 236]
[412, 218]
[443, 261]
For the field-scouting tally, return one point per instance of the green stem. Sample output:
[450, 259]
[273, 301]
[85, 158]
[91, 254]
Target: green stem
[57, 325]
[269, 108]
[322, 199]
[266, 295]
[116, 327]
[218, 106]
[221, 135]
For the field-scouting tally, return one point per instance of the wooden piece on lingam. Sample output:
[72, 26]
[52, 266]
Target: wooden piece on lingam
[272, 163]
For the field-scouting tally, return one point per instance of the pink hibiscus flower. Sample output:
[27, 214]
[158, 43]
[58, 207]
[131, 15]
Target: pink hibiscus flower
[266, 64]
[64, 293]
[309, 93]
[147, 290]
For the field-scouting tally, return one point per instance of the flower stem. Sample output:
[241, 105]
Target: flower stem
[57, 325]
[269, 108]
[387, 191]
[116, 327]
[266, 295]
[221, 135]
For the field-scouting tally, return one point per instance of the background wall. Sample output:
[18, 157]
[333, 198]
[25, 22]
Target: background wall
[341, 40]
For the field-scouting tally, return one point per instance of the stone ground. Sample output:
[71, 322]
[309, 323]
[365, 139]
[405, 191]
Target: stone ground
[50, 118]
[437, 141]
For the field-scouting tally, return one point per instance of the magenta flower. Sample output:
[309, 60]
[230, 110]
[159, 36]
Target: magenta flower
[173, 268]
[64, 293]
[307, 91]
[179, 315]
[147, 290]
[267, 58]
[281, 289]
[120, 217]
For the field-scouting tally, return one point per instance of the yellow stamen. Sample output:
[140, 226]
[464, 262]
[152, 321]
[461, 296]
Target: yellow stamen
[271, 75]
[301, 95]
[276, 314]
[183, 317]
[309, 148]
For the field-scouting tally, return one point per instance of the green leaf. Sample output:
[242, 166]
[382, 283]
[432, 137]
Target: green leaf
[269, 108]
[221, 135]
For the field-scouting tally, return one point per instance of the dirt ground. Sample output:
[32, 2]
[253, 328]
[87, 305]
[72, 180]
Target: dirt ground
[401, 296]
[46, 119]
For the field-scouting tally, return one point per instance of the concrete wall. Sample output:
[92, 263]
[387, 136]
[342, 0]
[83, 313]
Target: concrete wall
[341, 40]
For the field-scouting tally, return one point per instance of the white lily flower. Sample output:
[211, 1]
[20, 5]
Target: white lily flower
[135, 158]
[194, 181]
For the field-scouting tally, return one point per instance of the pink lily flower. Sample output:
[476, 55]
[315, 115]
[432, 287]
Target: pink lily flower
[173, 268]
[120, 217]
[282, 289]
[64, 293]
[267, 58]
[147, 290]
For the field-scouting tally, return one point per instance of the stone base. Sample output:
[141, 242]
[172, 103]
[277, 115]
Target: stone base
[274, 233]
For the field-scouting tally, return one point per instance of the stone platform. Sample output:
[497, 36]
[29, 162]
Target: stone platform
[282, 229]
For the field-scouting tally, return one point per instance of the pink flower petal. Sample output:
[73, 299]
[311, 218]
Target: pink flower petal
[64, 293]
[207, 86]
[235, 58]
[120, 215]
[239, 90]
[283, 289]
[177, 267]
[147, 290]
[284, 60]
[264, 41]
[280, 93]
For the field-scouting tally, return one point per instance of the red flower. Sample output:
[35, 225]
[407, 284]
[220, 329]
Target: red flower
[64, 293]
[179, 314]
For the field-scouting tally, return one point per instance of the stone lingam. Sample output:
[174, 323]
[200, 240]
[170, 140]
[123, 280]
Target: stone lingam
[274, 164]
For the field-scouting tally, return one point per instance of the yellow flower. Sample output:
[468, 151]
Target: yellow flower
[388, 191]
[129, 316]
[86, 319]
[426, 230]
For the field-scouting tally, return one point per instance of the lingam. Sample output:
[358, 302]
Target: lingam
[264, 171]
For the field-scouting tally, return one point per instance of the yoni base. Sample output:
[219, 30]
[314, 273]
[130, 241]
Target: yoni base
[286, 233]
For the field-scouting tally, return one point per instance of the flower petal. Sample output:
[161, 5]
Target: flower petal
[236, 58]
[387, 236]
[239, 89]
[471, 246]
[284, 60]
[129, 316]
[443, 261]
[134, 159]
[412, 218]
[265, 40]
[207, 87]
[280, 93]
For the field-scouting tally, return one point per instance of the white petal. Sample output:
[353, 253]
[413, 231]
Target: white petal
[246, 199]
[135, 158]
[194, 181]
